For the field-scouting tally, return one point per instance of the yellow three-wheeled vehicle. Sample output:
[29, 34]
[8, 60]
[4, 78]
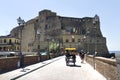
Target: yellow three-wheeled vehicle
[70, 55]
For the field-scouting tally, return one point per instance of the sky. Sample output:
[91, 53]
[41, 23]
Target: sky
[107, 10]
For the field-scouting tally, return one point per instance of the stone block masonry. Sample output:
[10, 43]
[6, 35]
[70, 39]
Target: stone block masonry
[11, 63]
[107, 67]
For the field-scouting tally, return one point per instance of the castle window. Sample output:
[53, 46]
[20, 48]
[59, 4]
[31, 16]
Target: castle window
[67, 40]
[0, 48]
[15, 41]
[37, 20]
[46, 18]
[5, 41]
[10, 41]
[0, 41]
[83, 31]
[46, 27]
[97, 40]
[90, 40]
[4, 48]
[78, 40]
[73, 39]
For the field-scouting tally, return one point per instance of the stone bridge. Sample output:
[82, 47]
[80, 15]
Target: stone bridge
[56, 69]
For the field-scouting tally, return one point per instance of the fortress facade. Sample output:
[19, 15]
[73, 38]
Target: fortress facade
[48, 27]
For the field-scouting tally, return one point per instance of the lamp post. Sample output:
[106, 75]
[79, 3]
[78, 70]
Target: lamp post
[53, 41]
[59, 47]
[87, 36]
[73, 40]
[95, 37]
[48, 38]
[78, 46]
[95, 51]
[21, 23]
[38, 47]
[84, 37]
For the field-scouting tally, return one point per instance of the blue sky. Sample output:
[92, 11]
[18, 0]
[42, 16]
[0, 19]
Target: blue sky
[108, 11]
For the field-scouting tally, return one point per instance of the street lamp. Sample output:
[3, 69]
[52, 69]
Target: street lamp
[21, 23]
[53, 45]
[48, 38]
[38, 34]
[73, 39]
[78, 46]
[84, 37]
[59, 46]
[87, 35]
[95, 30]
[95, 47]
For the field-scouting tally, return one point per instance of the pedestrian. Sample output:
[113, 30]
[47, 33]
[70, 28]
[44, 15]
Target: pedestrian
[82, 56]
[73, 57]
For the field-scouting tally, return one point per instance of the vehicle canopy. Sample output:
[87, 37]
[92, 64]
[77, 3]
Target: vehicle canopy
[70, 49]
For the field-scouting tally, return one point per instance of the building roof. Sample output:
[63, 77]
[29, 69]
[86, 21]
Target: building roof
[8, 36]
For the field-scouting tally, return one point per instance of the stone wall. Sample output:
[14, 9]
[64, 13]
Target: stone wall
[11, 63]
[28, 37]
[52, 25]
[107, 67]
[7, 64]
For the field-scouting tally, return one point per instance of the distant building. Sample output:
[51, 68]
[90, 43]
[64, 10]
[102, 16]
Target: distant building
[80, 33]
[8, 43]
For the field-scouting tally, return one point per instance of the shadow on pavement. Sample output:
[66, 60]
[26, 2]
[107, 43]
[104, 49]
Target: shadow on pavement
[74, 65]
[33, 69]
[24, 69]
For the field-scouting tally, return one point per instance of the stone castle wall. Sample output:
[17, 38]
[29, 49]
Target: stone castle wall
[28, 37]
[52, 25]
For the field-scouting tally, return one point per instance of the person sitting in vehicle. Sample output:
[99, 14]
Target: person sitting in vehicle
[67, 54]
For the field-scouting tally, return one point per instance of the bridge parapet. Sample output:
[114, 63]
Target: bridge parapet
[11, 63]
[106, 66]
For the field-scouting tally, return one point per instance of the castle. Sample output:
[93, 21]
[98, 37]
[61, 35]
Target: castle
[48, 27]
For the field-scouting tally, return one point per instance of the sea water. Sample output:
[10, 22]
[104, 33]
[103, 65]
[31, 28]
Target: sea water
[115, 52]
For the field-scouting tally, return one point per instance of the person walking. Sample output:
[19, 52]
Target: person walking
[82, 56]
[73, 57]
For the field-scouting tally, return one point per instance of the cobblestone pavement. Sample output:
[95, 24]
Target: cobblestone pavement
[54, 69]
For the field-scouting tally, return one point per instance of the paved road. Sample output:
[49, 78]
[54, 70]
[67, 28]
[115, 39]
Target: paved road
[57, 70]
